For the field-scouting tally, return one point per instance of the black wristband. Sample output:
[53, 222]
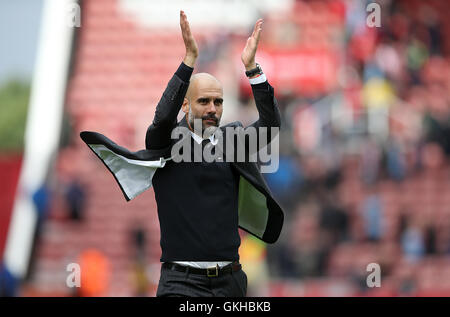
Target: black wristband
[254, 71]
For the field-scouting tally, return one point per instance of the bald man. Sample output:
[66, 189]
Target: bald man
[198, 202]
[204, 100]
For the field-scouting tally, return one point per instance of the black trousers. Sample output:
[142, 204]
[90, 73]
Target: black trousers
[185, 284]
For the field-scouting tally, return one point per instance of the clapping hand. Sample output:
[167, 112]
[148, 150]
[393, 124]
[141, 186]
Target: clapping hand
[249, 52]
[189, 41]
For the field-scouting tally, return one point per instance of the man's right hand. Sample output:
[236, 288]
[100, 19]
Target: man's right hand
[189, 41]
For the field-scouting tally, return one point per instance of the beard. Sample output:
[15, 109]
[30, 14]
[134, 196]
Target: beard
[206, 130]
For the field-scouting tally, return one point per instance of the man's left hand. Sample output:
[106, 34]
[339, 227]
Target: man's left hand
[249, 52]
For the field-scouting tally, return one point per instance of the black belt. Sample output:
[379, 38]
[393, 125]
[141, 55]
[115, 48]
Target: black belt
[209, 272]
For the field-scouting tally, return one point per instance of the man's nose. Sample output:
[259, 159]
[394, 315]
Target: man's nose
[211, 108]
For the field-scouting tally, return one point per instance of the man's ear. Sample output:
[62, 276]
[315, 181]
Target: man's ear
[185, 105]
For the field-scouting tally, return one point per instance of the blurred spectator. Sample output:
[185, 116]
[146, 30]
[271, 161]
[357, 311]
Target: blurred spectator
[370, 162]
[307, 249]
[402, 225]
[8, 283]
[413, 244]
[372, 214]
[395, 162]
[139, 242]
[429, 17]
[95, 273]
[140, 280]
[287, 181]
[417, 54]
[430, 240]
[334, 219]
[432, 156]
[41, 199]
[406, 279]
[139, 273]
[437, 127]
[388, 59]
[252, 253]
[76, 199]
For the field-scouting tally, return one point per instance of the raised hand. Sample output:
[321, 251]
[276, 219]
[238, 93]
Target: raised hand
[189, 41]
[249, 52]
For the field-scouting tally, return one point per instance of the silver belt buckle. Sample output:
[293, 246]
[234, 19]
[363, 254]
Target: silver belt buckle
[212, 271]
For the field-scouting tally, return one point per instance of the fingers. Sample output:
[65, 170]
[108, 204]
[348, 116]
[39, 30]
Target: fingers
[257, 27]
[189, 40]
[185, 30]
[257, 30]
[183, 17]
[183, 21]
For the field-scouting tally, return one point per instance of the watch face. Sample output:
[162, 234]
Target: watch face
[254, 71]
[259, 69]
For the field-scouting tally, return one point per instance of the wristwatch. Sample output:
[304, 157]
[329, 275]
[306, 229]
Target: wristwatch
[255, 71]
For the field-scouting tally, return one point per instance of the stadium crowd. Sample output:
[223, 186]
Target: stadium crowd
[364, 170]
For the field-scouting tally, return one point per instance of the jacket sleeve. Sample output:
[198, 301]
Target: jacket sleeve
[158, 133]
[269, 116]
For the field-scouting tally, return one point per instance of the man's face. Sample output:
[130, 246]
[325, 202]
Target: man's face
[204, 101]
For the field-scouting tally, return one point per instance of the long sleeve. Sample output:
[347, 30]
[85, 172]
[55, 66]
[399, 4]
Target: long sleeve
[158, 133]
[269, 116]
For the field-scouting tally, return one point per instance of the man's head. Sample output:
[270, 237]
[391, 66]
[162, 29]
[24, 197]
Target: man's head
[204, 99]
